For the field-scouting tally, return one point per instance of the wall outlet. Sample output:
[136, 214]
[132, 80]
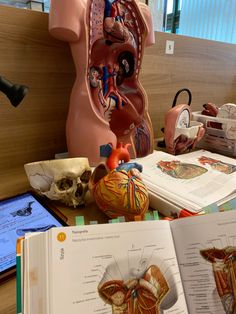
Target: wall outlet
[170, 47]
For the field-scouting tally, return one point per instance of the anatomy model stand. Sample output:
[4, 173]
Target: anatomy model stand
[108, 105]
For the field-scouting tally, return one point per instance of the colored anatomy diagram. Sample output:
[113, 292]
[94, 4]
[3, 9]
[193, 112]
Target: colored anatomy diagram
[142, 289]
[224, 269]
[179, 170]
[218, 165]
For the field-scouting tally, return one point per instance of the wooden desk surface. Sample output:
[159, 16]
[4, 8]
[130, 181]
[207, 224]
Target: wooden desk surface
[8, 289]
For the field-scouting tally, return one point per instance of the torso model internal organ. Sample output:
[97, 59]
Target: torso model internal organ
[108, 103]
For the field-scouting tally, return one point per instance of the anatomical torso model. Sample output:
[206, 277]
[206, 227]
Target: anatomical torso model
[108, 103]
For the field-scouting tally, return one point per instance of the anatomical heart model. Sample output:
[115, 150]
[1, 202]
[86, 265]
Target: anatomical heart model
[120, 192]
[108, 103]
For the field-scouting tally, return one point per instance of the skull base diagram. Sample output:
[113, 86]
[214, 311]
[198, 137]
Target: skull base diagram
[143, 289]
[108, 104]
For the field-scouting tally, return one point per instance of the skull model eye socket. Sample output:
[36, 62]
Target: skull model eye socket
[85, 176]
[64, 184]
[79, 191]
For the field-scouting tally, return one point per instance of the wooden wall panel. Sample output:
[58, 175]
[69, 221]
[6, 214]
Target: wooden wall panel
[36, 129]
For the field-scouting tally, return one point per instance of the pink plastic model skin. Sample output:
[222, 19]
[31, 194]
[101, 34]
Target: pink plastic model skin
[108, 103]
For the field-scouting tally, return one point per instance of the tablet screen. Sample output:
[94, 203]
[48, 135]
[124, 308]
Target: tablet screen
[18, 215]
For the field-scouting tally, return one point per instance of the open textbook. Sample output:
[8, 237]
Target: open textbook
[191, 181]
[182, 266]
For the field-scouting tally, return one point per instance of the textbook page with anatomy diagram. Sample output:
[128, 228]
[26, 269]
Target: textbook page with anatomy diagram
[190, 181]
[115, 268]
[184, 266]
[206, 253]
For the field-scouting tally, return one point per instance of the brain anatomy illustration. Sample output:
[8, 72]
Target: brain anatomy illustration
[224, 269]
[108, 103]
[138, 289]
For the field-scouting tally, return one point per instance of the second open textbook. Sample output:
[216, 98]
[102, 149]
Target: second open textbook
[190, 181]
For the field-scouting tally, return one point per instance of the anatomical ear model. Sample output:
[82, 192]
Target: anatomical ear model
[108, 103]
[224, 269]
[180, 133]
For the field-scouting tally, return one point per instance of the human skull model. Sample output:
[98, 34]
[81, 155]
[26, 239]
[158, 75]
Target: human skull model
[60, 179]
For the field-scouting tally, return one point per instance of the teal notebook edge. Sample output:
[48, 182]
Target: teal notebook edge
[18, 277]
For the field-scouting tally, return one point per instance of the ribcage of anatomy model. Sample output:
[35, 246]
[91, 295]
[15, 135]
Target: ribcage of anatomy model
[224, 270]
[117, 35]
